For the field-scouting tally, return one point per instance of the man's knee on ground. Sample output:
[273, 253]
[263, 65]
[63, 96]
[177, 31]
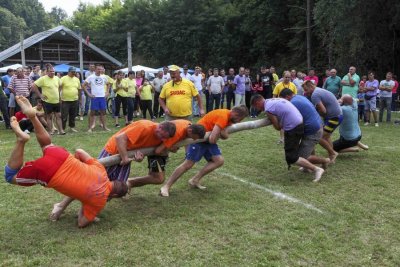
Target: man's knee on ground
[9, 174]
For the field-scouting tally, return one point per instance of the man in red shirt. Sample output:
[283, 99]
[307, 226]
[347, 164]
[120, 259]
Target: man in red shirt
[78, 177]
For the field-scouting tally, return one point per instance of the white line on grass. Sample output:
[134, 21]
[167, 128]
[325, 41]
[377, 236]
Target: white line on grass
[278, 195]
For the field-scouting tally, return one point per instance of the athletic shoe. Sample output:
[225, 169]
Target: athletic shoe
[366, 124]
[376, 125]
[117, 125]
[74, 130]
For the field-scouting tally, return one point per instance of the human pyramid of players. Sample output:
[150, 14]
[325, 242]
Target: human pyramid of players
[82, 177]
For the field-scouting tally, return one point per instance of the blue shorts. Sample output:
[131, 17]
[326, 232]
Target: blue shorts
[10, 173]
[197, 151]
[98, 103]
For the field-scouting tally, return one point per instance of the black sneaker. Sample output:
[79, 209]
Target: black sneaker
[117, 125]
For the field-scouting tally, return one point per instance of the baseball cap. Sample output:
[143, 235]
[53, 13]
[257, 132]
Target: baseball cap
[174, 68]
[71, 69]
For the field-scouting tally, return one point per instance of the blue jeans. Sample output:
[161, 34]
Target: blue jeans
[385, 103]
[195, 105]
[214, 98]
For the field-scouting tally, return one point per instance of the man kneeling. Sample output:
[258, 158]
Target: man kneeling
[81, 177]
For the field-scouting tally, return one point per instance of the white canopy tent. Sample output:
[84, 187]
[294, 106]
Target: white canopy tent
[14, 66]
[139, 68]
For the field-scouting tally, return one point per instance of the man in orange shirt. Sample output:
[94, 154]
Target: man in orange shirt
[81, 177]
[184, 129]
[215, 122]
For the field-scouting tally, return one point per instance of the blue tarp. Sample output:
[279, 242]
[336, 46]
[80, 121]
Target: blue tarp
[64, 68]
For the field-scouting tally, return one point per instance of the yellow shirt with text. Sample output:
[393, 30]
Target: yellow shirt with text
[280, 86]
[179, 97]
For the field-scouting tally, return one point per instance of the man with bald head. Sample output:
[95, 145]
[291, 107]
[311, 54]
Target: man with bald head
[350, 83]
[349, 130]
[332, 83]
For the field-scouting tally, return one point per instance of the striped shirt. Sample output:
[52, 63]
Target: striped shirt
[21, 86]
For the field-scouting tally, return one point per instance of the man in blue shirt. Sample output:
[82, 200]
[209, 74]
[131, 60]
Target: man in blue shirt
[312, 127]
[6, 81]
[349, 130]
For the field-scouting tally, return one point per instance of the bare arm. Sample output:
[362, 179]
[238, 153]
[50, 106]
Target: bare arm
[161, 101]
[321, 109]
[82, 220]
[85, 86]
[82, 155]
[274, 121]
[35, 89]
[215, 134]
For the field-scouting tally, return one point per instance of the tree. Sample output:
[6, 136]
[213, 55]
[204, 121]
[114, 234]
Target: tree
[57, 15]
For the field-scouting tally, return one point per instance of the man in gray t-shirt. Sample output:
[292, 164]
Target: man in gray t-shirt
[329, 108]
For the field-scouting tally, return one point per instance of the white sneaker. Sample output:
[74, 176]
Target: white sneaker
[27, 131]
[376, 125]
[81, 118]
[366, 124]
[74, 130]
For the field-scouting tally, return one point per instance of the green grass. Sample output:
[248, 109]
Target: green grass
[229, 224]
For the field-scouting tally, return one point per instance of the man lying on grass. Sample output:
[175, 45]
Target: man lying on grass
[81, 177]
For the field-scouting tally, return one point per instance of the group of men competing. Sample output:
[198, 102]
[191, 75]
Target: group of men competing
[82, 177]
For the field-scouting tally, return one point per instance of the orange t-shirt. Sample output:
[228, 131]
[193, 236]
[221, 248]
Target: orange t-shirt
[180, 133]
[140, 134]
[85, 181]
[218, 117]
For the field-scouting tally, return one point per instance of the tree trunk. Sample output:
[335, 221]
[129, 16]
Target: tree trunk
[248, 125]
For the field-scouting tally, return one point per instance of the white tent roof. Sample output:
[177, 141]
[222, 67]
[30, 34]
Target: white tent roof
[139, 68]
[15, 66]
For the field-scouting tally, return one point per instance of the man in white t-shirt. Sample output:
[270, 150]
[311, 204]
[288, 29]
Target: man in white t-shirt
[385, 97]
[158, 83]
[98, 95]
[198, 81]
[185, 74]
[166, 76]
[215, 85]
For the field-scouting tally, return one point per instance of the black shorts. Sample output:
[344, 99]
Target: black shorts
[50, 108]
[157, 163]
[292, 143]
[342, 143]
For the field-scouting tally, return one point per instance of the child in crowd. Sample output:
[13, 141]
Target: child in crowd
[146, 103]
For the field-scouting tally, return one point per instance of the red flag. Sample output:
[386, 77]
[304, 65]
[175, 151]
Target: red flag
[87, 40]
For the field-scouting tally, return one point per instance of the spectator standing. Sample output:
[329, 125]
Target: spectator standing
[385, 99]
[97, 82]
[146, 103]
[158, 83]
[176, 97]
[240, 88]
[50, 96]
[371, 92]
[275, 77]
[248, 87]
[215, 84]
[286, 83]
[266, 80]
[230, 94]
[206, 91]
[131, 83]
[136, 106]
[82, 97]
[6, 81]
[198, 81]
[20, 85]
[166, 75]
[333, 83]
[350, 83]
[395, 95]
[185, 74]
[299, 82]
[225, 89]
[120, 88]
[70, 96]
[312, 77]
[4, 107]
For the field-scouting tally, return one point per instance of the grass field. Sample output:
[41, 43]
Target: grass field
[350, 218]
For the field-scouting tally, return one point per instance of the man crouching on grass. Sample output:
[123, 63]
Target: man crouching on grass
[81, 177]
